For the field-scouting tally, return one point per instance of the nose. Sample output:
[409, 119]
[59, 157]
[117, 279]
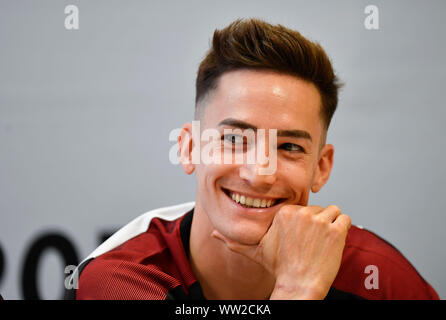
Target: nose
[258, 170]
[252, 173]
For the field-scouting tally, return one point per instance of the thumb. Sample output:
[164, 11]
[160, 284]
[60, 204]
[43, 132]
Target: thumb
[248, 251]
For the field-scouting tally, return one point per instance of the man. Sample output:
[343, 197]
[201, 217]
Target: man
[250, 234]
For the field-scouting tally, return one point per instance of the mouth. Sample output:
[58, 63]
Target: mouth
[249, 201]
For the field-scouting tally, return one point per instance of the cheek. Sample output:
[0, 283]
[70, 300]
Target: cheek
[298, 175]
[208, 176]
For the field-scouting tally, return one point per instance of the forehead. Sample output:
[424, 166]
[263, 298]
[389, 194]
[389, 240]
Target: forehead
[265, 99]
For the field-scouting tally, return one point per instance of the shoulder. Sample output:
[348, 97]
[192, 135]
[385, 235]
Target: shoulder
[130, 271]
[138, 264]
[372, 268]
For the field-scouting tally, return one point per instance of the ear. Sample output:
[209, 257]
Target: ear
[323, 169]
[185, 144]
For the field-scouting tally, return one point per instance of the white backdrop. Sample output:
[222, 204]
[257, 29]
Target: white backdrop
[85, 117]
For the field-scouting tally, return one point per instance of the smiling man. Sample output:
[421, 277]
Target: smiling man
[251, 235]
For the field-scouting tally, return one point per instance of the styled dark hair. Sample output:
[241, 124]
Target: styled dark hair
[256, 44]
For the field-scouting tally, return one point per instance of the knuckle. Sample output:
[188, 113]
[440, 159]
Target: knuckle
[341, 228]
[305, 214]
[303, 211]
[315, 209]
[310, 210]
[286, 213]
[334, 207]
[320, 220]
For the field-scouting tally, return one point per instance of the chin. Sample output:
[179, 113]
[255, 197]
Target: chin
[248, 233]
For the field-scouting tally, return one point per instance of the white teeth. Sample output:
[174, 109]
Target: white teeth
[250, 202]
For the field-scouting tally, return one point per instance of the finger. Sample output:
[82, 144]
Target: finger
[313, 209]
[344, 221]
[331, 213]
[243, 249]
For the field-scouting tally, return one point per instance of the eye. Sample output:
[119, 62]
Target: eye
[233, 138]
[292, 147]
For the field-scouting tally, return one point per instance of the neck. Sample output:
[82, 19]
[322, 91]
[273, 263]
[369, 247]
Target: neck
[222, 273]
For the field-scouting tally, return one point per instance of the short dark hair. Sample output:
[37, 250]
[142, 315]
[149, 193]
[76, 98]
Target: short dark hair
[256, 44]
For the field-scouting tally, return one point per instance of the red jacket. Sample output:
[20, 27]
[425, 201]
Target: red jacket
[149, 260]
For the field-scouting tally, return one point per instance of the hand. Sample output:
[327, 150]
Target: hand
[302, 249]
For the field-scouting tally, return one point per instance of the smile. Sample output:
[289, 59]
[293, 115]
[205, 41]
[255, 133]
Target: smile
[252, 202]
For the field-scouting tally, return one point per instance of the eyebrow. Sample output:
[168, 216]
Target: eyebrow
[280, 133]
